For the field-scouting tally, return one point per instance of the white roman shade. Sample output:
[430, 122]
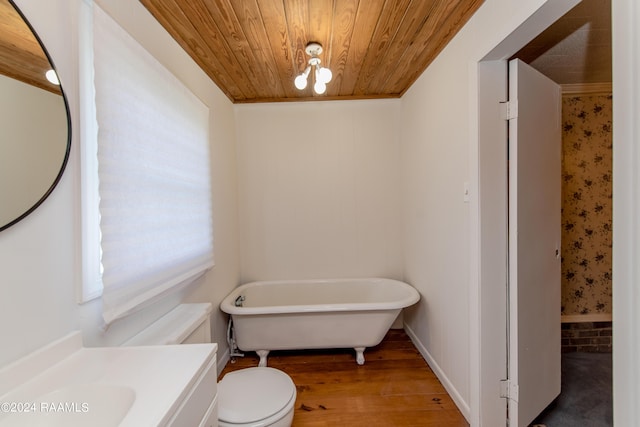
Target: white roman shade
[154, 177]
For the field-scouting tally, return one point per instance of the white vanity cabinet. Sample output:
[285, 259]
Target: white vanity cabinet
[211, 417]
[200, 407]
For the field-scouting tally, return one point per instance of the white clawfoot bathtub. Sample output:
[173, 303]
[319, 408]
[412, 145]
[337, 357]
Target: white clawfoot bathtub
[311, 314]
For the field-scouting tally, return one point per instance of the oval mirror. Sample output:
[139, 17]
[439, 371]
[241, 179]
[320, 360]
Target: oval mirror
[35, 135]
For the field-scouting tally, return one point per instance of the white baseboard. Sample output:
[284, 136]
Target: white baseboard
[453, 392]
[222, 361]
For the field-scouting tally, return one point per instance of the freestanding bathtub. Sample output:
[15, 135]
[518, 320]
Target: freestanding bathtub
[311, 314]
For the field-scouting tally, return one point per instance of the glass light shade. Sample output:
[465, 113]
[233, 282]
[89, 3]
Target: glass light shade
[325, 75]
[301, 81]
[320, 87]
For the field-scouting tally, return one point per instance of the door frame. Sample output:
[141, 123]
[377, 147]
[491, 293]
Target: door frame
[489, 351]
[626, 207]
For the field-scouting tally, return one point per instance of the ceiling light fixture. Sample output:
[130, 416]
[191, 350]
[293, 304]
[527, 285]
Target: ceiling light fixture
[322, 75]
[52, 76]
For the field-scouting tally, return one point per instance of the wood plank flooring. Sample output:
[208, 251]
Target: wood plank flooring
[395, 386]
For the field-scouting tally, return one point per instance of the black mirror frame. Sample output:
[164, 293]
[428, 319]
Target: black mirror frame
[68, 148]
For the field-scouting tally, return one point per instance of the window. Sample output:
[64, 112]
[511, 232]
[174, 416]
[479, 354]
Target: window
[153, 175]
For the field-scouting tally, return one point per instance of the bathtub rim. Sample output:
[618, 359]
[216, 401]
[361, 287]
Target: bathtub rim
[228, 303]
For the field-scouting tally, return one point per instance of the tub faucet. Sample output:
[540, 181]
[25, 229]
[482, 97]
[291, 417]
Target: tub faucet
[239, 301]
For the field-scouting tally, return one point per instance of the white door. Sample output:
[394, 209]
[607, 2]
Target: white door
[534, 242]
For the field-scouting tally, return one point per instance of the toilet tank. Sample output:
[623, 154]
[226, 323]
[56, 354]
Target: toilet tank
[185, 324]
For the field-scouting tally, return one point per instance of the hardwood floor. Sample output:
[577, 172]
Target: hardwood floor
[395, 386]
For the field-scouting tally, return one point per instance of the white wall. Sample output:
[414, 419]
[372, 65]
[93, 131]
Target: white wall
[38, 255]
[435, 165]
[319, 190]
[626, 209]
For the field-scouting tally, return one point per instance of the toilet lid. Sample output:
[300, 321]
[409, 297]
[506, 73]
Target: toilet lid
[253, 394]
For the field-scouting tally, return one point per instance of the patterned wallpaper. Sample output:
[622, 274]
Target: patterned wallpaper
[586, 204]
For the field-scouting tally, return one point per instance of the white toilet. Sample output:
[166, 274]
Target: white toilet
[250, 397]
[256, 397]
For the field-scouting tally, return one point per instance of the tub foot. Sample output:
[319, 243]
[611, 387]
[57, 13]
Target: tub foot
[360, 355]
[263, 357]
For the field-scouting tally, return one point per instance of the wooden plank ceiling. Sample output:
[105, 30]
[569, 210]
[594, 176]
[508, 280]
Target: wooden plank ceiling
[253, 49]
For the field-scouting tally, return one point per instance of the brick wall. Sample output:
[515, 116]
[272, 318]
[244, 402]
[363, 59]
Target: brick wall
[593, 337]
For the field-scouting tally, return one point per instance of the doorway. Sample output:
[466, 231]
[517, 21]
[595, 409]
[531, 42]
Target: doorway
[575, 52]
[492, 188]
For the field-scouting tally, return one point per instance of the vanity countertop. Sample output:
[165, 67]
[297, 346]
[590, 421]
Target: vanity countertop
[139, 386]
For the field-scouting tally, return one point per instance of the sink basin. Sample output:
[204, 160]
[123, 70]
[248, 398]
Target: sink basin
[99, 405]
[66, 384]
